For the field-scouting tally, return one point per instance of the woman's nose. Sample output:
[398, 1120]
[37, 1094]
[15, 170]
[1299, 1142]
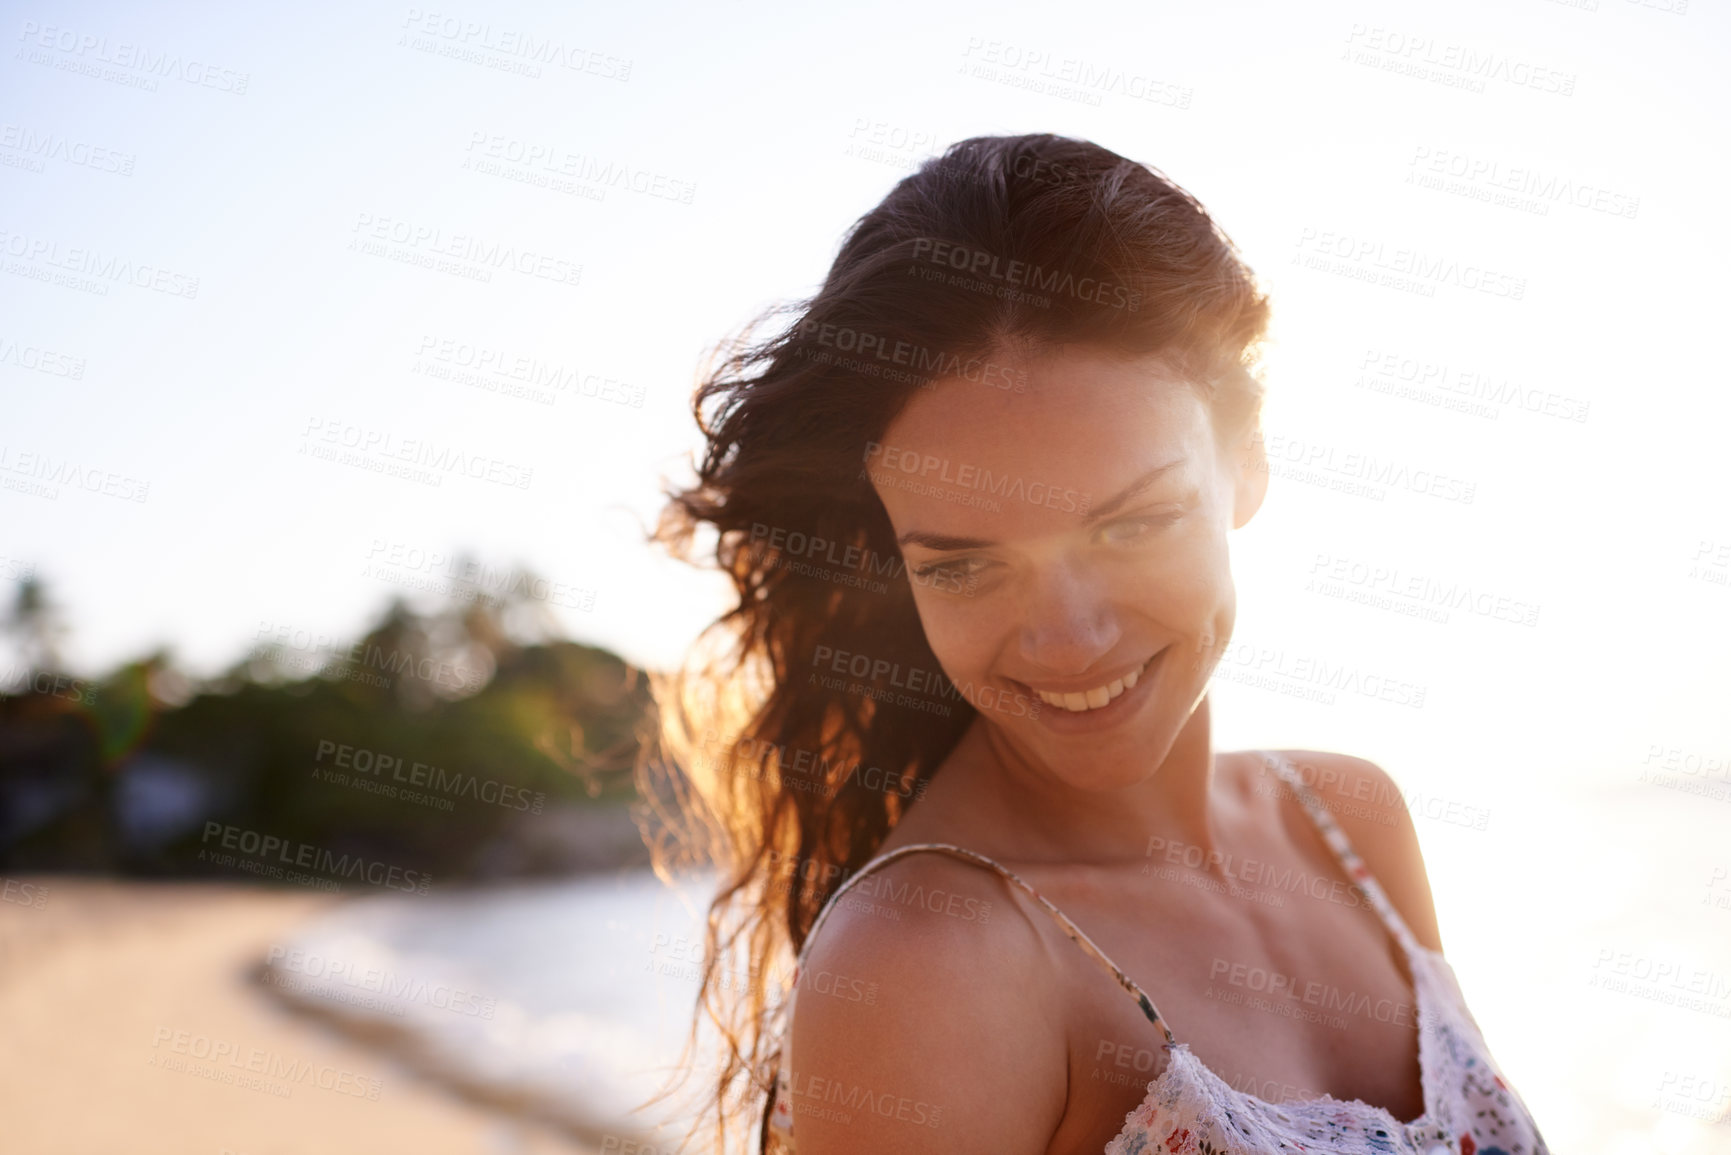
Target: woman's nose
[1068, 623]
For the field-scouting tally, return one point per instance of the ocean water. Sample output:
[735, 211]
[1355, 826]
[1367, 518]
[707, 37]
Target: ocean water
[569, 1001]
[1590, 928]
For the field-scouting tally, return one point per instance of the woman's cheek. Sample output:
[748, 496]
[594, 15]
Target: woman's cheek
[1188, 581]
[960, 645]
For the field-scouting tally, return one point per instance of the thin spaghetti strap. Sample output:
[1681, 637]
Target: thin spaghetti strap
[1342, 847]
[1075, 933]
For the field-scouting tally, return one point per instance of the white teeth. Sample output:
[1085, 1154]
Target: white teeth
[1092, 699]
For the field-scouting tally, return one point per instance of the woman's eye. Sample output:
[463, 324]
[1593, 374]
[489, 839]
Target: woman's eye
[1131, 528]
[954, 573]
[948, 568]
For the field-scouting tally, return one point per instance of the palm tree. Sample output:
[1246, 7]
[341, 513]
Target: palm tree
[36, 628]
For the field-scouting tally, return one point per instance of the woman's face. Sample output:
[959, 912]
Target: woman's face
[1068, 552]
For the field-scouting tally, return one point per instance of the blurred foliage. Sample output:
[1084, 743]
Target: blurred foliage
[124, 773]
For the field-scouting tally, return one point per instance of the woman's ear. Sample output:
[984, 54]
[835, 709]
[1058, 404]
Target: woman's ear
[1252, 474]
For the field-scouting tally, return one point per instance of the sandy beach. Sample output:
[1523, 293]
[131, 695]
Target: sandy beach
[131, 1024]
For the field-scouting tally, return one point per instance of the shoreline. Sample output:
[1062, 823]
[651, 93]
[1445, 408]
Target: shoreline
[135, 1021]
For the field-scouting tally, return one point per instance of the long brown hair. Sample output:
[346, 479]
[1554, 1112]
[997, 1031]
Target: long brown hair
[759, 766]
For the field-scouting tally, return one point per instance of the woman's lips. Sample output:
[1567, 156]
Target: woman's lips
[1116, 707]
[1081, 702]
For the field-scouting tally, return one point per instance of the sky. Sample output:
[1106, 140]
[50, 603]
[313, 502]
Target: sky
[246, 259]
[247, 222]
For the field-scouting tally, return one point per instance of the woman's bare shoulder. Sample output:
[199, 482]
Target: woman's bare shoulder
[928, 913]
[1370, 808]
[923, 1020]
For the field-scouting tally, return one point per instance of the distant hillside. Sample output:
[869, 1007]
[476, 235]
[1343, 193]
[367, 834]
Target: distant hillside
[435, 746]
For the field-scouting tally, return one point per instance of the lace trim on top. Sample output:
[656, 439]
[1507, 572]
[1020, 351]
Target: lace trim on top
[1190, 1109]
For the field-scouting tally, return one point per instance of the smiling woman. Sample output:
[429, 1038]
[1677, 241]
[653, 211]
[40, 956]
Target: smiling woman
[1065, 607]
[976, 501]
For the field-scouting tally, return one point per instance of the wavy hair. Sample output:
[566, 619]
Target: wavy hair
[787, 786]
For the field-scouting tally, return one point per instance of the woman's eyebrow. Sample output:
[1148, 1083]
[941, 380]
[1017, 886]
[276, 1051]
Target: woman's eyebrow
[945, 541]
[942, 541]
[1112, 504]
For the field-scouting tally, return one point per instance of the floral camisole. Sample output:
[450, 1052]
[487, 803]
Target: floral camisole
[1469, 1108]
